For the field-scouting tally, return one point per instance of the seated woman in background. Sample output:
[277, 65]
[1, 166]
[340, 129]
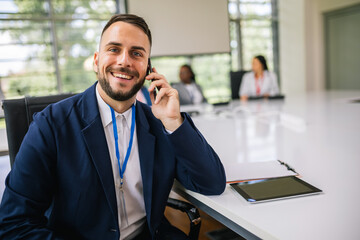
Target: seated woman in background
[189, 91]
[260, 82]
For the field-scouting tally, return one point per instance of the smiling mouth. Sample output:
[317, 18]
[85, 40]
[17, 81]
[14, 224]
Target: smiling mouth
[122, 76]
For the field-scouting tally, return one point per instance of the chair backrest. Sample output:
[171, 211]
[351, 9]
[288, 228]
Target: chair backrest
[18, 116]
[235, 81]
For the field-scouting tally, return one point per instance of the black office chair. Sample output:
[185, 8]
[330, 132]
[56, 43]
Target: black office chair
[235, 83]
[18, 116]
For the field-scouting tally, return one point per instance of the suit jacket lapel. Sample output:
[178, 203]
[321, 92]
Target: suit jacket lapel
[146, 143]
[95, 140]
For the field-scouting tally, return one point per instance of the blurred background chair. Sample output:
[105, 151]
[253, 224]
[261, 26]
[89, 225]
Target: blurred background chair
[235, 83]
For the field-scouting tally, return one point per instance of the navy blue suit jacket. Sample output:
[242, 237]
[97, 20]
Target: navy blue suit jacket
[62, 186]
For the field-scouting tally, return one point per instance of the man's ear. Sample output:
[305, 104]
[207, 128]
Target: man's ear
[95, 63]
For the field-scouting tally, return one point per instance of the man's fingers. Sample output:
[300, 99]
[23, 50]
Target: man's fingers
[158, 83]
[154, 75]
[160, 95]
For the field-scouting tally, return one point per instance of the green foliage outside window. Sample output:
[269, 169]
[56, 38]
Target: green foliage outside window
[27, 44]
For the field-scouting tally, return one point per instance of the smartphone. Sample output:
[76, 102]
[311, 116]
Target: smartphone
[149, 70]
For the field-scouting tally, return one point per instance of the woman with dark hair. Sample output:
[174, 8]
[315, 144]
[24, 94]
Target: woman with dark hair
[189, 91]
[259, 82]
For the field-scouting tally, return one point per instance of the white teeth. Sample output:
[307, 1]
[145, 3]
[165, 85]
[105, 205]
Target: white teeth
[122, 76]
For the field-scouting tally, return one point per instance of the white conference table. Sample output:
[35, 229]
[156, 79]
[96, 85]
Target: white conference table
[318, 134]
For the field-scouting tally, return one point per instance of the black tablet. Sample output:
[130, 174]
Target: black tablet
[274, 189]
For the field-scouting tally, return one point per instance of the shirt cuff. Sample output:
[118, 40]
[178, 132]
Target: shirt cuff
[169, 131]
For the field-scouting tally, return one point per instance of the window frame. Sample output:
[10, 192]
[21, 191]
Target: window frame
[239, 36]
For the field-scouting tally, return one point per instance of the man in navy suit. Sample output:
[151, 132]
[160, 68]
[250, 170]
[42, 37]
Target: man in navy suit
[100, 165]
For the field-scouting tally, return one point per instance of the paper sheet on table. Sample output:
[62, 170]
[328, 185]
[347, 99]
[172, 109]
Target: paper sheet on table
[256, 170]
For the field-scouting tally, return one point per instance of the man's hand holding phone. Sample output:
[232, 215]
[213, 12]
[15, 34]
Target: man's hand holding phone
[166, 104]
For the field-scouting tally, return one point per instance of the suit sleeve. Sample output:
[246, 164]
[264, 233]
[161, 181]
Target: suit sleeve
[30, 186]
[198, 166]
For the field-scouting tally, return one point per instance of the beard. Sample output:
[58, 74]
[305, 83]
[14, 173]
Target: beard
[120, 95]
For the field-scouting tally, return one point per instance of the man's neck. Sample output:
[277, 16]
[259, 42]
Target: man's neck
[118, 106]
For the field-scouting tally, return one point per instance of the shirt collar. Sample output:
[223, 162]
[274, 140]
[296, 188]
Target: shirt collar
[105, 112]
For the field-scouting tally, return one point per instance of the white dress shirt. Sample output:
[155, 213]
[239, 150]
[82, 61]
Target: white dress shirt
[195, 94]
[268, 85]
[132, 181]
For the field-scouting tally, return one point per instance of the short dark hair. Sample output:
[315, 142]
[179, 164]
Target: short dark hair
[262, 60]
[131, 19]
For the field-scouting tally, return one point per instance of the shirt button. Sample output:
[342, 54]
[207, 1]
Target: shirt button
[112, 230]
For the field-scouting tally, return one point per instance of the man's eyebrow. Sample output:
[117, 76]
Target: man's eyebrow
[120, 44]
[113, 43]
[138, 48]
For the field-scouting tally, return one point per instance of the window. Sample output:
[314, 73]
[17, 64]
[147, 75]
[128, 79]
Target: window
[253, 31]
[47, 46]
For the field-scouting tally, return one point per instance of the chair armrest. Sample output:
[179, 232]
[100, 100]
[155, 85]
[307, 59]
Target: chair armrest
[191, 211]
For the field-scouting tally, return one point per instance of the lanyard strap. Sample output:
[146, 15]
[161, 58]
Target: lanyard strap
[123, 167]
[257, 84]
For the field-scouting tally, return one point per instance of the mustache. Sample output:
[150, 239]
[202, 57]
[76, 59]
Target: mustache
[122, 69]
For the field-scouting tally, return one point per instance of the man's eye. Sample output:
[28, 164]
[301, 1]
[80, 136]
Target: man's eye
[137, 54]
[113, 50]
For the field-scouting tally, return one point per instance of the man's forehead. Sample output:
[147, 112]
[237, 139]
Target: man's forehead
[123, 31]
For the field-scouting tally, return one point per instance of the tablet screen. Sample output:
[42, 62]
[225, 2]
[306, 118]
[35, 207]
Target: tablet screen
[273, 188]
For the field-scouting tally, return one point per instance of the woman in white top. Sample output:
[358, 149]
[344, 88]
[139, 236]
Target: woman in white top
[259, 82]
[189, 91]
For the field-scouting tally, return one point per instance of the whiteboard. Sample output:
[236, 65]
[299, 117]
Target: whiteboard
[185, 27]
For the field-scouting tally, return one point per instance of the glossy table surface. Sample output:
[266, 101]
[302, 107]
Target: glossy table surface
[318, 134]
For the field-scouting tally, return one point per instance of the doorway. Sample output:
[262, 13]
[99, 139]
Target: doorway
[342, 44]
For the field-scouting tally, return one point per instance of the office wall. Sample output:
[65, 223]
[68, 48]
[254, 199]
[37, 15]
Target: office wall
[314, 52]
[301, 43]
[292, 46]
[329, 5]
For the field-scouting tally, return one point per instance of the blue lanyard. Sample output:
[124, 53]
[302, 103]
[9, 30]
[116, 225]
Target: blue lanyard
[123, 167]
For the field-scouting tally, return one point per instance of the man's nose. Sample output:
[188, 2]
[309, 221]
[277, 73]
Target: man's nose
[124, 59]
